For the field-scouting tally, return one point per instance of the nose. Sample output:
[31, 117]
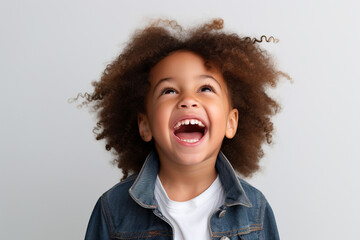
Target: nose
[188, 102]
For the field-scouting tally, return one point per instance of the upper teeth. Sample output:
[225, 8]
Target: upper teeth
[189, 121]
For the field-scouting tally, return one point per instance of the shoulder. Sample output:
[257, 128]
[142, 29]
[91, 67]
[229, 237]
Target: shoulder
[117, 203]
[108, 210]
[118, 198]
[254, 195]
[257, 200]
[260, 212]
[120, 190]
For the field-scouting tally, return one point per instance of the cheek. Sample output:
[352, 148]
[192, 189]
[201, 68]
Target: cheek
[160, 116]
[218, 107]
[218, 115]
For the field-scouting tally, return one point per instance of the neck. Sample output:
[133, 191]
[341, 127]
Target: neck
[183, 183]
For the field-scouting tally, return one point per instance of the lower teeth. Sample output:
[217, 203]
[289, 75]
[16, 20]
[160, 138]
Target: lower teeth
[190, 140]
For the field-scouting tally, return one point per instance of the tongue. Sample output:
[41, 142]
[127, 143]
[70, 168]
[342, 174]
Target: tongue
[189, 135]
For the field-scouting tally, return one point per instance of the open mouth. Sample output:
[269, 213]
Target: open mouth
[189, 130]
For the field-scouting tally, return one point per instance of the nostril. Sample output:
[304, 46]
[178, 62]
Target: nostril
[188, 103]
[185, 106]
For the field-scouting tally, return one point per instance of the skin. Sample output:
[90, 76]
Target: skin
[181, 87]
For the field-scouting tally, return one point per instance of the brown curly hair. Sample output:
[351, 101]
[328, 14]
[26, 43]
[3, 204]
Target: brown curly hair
[247, 69]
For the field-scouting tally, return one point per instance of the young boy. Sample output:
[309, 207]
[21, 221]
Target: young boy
[184, 99]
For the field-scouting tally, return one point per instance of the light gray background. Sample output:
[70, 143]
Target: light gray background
[52, 170]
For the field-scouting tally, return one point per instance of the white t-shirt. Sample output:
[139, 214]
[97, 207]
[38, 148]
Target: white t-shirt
[190, 219]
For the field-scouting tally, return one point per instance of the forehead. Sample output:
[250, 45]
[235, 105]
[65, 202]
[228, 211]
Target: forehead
[182, 63]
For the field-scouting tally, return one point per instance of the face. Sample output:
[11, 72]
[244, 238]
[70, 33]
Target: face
[188, 112]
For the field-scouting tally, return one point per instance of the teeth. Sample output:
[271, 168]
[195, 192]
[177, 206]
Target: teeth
[189, 140]
[189, 121]
[200, 124]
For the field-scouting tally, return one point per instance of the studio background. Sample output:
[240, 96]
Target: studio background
[52, 170]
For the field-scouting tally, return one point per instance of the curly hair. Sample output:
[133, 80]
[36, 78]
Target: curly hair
[248, 70]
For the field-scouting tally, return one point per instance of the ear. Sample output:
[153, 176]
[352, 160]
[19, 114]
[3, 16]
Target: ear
[232, 123]
[144, 127]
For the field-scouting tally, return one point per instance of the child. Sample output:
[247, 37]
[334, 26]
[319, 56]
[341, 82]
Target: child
[172, 105]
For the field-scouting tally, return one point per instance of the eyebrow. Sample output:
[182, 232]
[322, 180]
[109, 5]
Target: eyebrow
[209, 76]
[203, 76]
[162, 80]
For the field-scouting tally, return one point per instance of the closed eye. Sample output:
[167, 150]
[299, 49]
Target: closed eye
[207, 88]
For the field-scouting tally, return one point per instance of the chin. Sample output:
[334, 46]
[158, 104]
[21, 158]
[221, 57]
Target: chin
[189, 159]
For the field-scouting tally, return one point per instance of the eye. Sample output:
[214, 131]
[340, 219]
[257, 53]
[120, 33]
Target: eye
[207, 88]
[168, 91]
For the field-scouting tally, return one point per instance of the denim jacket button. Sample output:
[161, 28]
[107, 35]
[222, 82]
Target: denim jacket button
[224, 238]
[221, 214]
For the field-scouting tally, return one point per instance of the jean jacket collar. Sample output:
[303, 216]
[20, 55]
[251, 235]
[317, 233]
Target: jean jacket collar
[142, 190]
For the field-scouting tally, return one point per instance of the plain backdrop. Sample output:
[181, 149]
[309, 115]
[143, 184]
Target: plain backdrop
[52, 170]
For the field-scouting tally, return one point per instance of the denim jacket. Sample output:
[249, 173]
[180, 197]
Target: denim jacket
[129, 209]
